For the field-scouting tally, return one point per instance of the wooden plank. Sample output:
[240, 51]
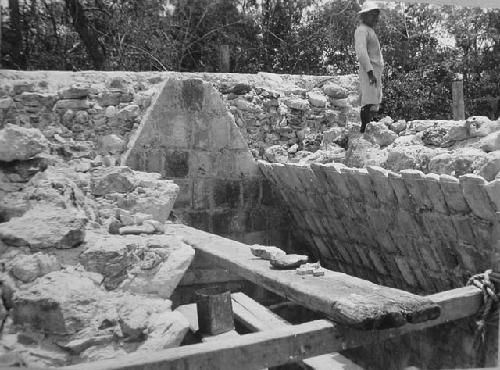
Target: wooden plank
[246, 352]
[253, 315]
[256, 317]
[345, 299]
[455, 304]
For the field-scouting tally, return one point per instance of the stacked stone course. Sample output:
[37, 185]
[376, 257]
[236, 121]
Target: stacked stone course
[422, 233]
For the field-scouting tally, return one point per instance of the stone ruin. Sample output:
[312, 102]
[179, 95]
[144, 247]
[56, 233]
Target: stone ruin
[94, 166]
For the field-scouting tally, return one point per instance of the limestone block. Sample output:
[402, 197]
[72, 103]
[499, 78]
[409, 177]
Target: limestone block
[377, 261]
[61, 302]
[435, 194]
[110, 256]
[106, 180]
[463, 227]
[474, 191]
[163, 278]
[385, 243]
[20, 143]
[33, 99]
[379, 219]
[398, 126]
[165, 330]
[45, 226]
[493, 190]
[445, 133]
[288, 178]
[361, 152]
[129, 112]
[109, 97]
[408, 223]
[6, 103]
[491, 142]
[317, 100]
[334, 176]
[82, 117]
[29, 267]
[74, 104]
[480, 126]
[339, 252]
[406, 271]
[364, 181]
[22, 86]
[319, 170]
[297, 103]
[111, 143]
[492, 167]
[379, 134]
[356, 193]
[76, 91]
[381, 186]
[439, 227]
[277, 154]
[453, 194]
[335, 91]
[420, 125]
[402, 194]
[415, 183]
[304, 174]
[458, 162]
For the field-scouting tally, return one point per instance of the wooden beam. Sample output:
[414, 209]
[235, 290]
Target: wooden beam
[246, 352]
[344, 299]
[458, 105]
[256, 317]
[253, 315]
[286, 344]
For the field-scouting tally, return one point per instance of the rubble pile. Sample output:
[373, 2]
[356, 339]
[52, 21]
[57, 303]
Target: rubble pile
[86, 268]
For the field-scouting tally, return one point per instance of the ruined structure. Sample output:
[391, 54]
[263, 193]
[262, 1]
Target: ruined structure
[98, 162]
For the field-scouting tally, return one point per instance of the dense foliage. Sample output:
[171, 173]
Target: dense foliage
[424, 46]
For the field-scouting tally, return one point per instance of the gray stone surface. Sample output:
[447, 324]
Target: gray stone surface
[19, 143]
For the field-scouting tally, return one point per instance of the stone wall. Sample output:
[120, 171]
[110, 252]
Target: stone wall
[421, 233]
[188, 135]
[90, 117]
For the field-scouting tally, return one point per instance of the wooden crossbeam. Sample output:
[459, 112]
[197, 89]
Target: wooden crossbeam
[256, 317]
[343, 298]
[286, 344]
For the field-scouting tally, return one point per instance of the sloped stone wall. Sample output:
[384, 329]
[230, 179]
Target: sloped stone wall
[419, 232]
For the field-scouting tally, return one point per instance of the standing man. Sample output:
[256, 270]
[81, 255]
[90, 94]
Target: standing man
[371, 62]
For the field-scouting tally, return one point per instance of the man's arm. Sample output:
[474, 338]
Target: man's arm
[362, 53]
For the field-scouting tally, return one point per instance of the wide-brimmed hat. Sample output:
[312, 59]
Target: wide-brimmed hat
[368, 6]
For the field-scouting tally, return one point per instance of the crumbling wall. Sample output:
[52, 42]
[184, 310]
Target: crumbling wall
[422, 233]
[90, 117]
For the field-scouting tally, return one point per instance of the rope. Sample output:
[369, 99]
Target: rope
[483, 282]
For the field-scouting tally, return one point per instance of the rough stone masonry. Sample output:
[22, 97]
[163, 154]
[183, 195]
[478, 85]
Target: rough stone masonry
[409, 204]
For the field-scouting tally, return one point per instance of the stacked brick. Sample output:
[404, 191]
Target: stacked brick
[420, 232]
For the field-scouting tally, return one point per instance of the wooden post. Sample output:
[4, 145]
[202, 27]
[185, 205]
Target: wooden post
[215, 312]
[224, 58]
[457, 94]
